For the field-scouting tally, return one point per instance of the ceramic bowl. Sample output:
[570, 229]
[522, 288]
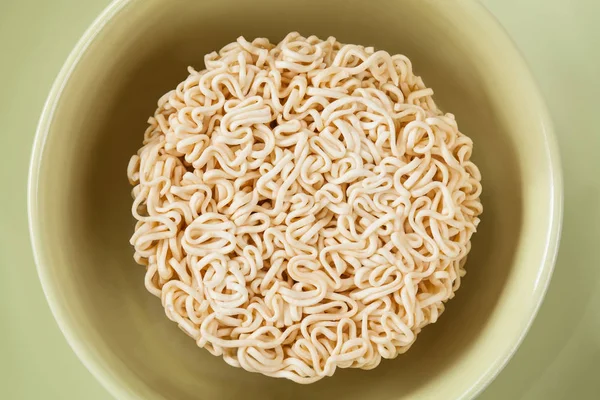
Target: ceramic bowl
[94, 119]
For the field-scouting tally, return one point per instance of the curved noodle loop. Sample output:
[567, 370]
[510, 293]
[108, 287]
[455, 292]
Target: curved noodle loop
[303, 206]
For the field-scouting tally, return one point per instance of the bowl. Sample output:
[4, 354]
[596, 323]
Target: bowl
[94, 119]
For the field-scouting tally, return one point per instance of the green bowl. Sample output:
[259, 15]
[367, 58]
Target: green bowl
[94, 119]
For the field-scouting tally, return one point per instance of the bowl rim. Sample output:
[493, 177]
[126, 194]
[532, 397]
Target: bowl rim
[118, 387]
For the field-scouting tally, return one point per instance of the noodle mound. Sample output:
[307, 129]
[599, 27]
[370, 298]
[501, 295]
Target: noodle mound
[303, 206]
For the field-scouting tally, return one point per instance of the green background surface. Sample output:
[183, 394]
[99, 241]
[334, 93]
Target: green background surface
[559, 358]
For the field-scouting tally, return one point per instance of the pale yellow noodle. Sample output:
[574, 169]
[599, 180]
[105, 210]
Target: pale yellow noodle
[303, 206]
